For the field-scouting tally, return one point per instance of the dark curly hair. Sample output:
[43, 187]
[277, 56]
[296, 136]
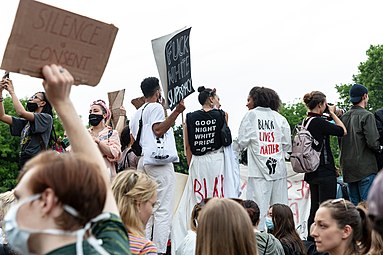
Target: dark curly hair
[265, 97]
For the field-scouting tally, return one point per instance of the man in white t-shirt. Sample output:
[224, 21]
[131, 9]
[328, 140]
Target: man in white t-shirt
[266, 135]
[153, 113]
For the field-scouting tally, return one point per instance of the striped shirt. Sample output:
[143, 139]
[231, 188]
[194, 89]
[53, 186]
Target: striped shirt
[140, 245]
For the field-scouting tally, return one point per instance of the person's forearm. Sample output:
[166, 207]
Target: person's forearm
[339, 122]
[161, 128]
[19, 108]
[105, 149]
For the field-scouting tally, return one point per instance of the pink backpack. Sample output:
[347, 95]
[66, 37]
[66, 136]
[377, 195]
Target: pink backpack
[304, 158]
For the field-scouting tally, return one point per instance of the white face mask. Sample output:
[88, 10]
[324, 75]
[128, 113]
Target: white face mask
[18, 238]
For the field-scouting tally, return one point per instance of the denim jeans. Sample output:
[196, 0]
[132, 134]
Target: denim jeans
[358, 191]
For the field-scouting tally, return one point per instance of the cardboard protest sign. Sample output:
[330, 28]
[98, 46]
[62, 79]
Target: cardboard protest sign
[44, 34]
[172, 55]
[116, 99]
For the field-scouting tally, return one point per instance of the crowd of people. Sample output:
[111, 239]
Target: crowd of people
[112, 190]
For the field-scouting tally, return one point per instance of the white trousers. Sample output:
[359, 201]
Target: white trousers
[266, 193]
[159, 225]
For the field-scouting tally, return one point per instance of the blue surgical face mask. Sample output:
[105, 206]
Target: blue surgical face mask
[18, 237]
[269, 223]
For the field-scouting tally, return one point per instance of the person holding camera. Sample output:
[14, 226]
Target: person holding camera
[323, 180]
[34, 124]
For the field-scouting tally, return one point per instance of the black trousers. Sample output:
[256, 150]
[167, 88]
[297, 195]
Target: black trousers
[321, 189]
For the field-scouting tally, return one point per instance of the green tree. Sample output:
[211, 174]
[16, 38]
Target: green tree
[370, 74]
[182, 166]
[294, 113]
[9, 151]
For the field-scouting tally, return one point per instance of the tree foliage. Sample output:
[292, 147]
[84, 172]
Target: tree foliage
[370, 74]
[182, 166]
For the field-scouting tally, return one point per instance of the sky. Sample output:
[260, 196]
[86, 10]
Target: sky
[293, 47]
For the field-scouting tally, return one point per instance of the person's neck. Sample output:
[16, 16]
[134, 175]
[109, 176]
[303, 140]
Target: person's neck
[46, 243]
[152, 99]
[361, 104]
[98, 128]
[341, 249]
[207, 107]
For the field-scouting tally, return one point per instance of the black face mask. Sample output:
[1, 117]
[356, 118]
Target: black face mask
[32, 107]
[95, 119]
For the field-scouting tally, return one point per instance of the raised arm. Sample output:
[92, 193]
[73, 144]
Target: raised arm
[160, 128]
[57, 85]
[4, 117]
[19, 108]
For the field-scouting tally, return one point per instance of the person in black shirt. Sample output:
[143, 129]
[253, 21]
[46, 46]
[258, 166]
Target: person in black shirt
[205, 159]
[323, 180]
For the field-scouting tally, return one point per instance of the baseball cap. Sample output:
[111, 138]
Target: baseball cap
[356, 93]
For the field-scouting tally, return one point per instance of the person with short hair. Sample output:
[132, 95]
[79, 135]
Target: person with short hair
[267, 243]
[65, 203]
[224, 227]
[341, 228]
[34, 124]
[266, 135]
[153, 116]
[136, 197]
[358, 147]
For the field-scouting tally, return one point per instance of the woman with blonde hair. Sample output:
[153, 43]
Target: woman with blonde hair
[136, 196]
[224, 227]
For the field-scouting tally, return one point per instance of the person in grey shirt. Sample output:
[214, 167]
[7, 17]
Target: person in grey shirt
[34, 124]
[267, 243]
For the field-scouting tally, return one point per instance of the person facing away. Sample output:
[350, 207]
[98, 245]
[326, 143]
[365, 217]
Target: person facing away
[224, 227]
[205, 157]
[106, 138]
[284, 230]
[64, 201]
[323, 182]
[136, 197]
[34, 124]
[267, 244]
[266, 135]
[341, 228]
[358, 147]
[153, 116]
[188, 244]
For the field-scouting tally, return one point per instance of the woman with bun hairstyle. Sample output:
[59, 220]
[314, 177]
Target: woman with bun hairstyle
[323, 180]
[341, 228]
[205, 157]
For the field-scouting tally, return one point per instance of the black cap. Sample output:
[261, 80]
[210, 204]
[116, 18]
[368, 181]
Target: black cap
[356, 93]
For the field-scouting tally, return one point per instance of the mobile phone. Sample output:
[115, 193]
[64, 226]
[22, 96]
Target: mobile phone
[6, 75]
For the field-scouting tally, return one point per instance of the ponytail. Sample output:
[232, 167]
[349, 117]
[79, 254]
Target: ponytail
[364, 237]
